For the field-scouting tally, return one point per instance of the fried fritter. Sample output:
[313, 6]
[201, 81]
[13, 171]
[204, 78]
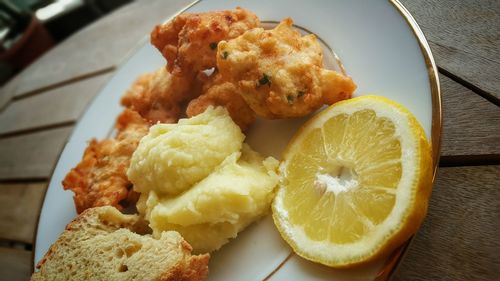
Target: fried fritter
[158, 96]
[100, 179]
[279, 73]
[189, 41]
[217, 92]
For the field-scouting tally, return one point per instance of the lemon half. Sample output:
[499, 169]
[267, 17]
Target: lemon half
[355, 182]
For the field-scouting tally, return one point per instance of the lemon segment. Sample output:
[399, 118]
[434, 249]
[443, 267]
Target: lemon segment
[355, 182]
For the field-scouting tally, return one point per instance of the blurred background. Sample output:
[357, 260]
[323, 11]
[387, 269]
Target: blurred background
[28, 28]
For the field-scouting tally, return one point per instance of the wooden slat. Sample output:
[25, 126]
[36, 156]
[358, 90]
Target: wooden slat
[459, 239]
[31, 155]
[15, 264]
[97, 47]
[471, 125]
[20, 206]
[479, 72]
[464, 37]
[61, 105]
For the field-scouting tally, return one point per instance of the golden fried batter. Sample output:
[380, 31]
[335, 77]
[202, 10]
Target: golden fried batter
[217, 92]
[158, 96]
[100, 179]
[279, 73]
[189, 41]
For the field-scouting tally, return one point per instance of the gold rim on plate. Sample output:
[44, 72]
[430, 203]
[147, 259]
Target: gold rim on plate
[395, 258]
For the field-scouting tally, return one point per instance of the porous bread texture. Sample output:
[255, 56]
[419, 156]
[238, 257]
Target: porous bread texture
[100, 245]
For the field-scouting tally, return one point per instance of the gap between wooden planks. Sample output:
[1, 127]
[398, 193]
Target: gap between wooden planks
[471, 126]
[62, 105]
[457, 241]
[471, 114]
[464, 38]
[471, 131]
[95, 48]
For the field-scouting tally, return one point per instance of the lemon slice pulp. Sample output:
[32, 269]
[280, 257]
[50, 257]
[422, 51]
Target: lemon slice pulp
[355, 182]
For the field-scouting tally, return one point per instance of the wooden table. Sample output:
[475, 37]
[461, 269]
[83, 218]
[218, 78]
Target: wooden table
[460, 238]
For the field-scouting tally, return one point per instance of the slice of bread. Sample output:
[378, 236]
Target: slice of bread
[100, 245]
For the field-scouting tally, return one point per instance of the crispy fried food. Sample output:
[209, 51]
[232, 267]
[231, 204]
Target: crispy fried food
[279, 73]
[217, 92]
[100, 179]
[189, 41]
[158, 96]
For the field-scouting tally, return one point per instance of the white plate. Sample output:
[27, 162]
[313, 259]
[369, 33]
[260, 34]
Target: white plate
[380, 46]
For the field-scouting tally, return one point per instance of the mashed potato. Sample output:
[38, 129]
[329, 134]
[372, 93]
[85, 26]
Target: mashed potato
[238, 192]
[215, 208]
[173, 157]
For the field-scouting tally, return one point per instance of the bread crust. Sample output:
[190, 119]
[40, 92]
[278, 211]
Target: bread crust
[168, 257]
